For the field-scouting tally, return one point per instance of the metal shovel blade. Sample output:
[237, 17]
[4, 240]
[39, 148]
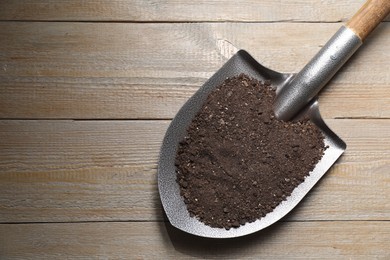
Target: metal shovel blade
[172, 201]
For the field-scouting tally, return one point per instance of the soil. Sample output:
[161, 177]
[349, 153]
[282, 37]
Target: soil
[237, 162]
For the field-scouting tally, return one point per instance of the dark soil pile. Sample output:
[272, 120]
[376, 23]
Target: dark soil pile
[237, 161]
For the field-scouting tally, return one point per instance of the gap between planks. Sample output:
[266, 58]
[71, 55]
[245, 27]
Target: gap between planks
[160, 119]
[171, 22]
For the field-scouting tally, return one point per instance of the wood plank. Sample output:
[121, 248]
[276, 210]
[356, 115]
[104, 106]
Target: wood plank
[109, 70]
[284, 240]
[106, 171]
[182, 10]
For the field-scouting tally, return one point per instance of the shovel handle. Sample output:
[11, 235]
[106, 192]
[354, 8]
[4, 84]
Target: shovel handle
[323, 66]
[368, 17]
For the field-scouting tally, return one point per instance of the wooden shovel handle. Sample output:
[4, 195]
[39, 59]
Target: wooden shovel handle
[368, 17]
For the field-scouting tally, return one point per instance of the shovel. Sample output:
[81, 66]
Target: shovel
[295, 98]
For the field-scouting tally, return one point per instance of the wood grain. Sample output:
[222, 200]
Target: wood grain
[86, 189]
[369, 17]
[298, 240]
[125, 71]
[181, 10]
[65, 171]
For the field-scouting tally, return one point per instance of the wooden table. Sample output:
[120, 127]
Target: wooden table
[88, 88]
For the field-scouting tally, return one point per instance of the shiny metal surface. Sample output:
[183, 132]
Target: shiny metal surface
[314, 76]
[171, 199]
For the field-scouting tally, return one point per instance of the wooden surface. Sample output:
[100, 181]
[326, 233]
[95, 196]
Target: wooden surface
[88, 89]
[180, 10]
